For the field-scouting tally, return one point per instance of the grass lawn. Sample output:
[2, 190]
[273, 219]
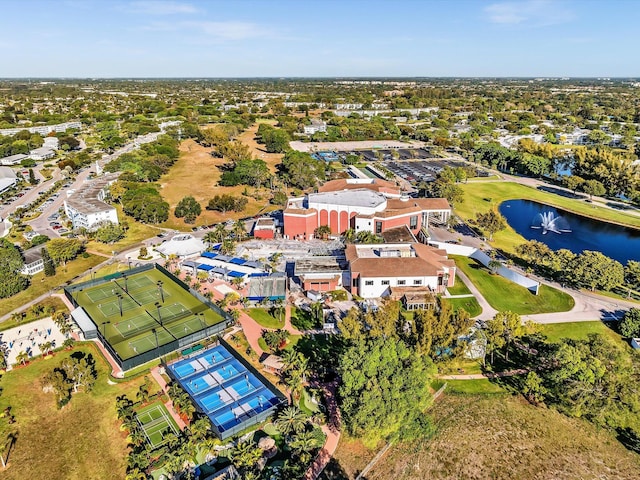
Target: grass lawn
[470, 304]
[481, 197]
[136, 233]
[265, 319]
[476, 387]
[303, 320]
[106, 270]
[503, 294]
[197, 172]
[503, 437]
[291, 342]
[54, 302]
[41, 284]
[579, 331]
[80, 441]
[459, 288]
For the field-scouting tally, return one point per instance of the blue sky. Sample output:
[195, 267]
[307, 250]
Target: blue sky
[273, 38]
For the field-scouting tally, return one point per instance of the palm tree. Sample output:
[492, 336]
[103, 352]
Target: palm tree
[323, 232]
[318, 312]
[200, 428]
[240, 229]
[245, 455]
[136, 474]
[219, 233]
[291, 419]
[210, 238]
[46, 347]
[349, 235]
[228, 246]
[22, 357]
[187, 409]
[302, 445]
[136, 437]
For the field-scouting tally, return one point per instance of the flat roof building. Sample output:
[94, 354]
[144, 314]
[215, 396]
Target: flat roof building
[33, 262]
[13, 159]
[8, 178]
[375, 270]
[371, 205]
[86, 207]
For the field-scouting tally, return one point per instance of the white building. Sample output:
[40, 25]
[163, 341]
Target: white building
[43, 130]
[86, 207]
[375, 270]
[42, 153]
[315, 127]
[33, 262]
[13, 159]
[8, 178]
[182, 246]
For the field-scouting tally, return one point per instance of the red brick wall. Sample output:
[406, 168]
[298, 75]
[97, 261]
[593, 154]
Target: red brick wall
[400, 221]
[320, 285]
[295, 226]
[265, 233]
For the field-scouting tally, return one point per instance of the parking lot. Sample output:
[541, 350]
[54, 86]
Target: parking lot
[420, 170]
[374, 155]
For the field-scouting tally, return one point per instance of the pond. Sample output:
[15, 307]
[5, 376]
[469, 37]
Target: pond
[619, 243]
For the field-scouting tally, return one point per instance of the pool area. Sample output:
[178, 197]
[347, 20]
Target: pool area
[224, 389]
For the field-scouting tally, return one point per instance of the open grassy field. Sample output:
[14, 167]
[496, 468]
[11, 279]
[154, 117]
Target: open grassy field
[41, 284]
[459, 288]
[264, 318]
[197, 173]
[470, 304]
[78, 442]
[503, 294]
[503, 437]
[248, 138]
[579, 331]
[136, 233]
[481, 197]
[54, 302]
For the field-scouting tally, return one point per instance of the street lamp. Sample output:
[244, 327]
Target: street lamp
[155, 334]
[158, 309]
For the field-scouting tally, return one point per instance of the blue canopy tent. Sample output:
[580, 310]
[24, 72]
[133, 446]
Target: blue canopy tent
[208, 255]
[238, 261]
[205, 267]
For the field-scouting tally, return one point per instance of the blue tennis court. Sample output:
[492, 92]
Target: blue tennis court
[223, 388]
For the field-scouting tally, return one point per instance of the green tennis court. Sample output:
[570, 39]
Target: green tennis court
[112, 307]
[150, 296]
[156, 422]
[131, 332]
[134, 325]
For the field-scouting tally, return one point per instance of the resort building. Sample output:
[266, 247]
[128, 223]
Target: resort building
[8, 178]
[315, 127]
[320, 274]
[13, 159]
[375, 270]
[33, 262]
[42, 153]
[264, 228]
[43, 130]
[86, 207]
[371, 205]
[182, 246]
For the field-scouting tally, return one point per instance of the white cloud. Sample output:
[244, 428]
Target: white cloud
[535, 13]
[160, 7]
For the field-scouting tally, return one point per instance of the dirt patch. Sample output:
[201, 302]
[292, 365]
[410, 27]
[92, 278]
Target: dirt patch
[248, 138]
[503, 437]
[197, 173]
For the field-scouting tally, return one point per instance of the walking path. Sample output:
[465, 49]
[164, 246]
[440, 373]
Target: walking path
[155, 373]
[332, 432]
[488, 311]
[480, 376]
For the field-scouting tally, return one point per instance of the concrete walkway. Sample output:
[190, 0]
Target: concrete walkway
[332, 432]
[488, 312]
[155, 373]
